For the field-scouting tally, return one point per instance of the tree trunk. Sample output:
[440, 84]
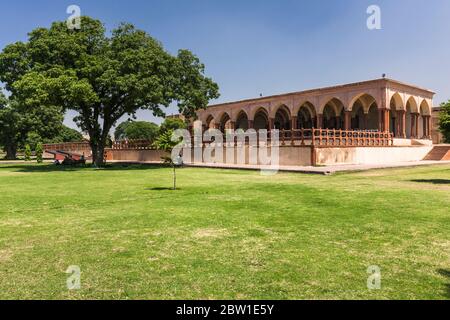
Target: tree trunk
[100, 159]
[11, 152]
[98, 154]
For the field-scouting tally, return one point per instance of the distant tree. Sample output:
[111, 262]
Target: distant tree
[136, 130]
[67, 134]
[172, 124]
[27, 153]
[103, 77]
[444, 121]
[39, 153]
[20, 125]
[166, 144]
[9, 128]
[33, 139]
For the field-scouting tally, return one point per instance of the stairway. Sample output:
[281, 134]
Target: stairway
[439, 153]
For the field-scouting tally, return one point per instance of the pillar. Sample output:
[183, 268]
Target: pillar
[232, 125]
[413, 125]
[347, 120]
[398, 124]
[320, 121]
[387, 120]
[424, 126]
[337, 121]
[417, 134]
[294, 124]
[380, 120]
[429, 127]
[366, 121]
[403, 124]
[250, 124]
[271, 123]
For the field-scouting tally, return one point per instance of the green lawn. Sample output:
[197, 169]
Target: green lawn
[224, 235]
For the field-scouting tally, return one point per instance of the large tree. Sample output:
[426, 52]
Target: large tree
[103, 77]
[444, 121]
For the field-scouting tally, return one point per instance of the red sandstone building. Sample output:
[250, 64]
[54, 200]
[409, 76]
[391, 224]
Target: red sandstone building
[384, 105]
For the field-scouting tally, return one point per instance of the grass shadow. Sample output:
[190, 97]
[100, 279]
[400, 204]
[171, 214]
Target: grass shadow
[28, 168]
[446, 273]
[162, 189]
[432, 181]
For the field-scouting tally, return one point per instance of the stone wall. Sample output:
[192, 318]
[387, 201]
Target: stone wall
[374, 155]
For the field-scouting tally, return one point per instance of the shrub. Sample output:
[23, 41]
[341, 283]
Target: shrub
[27, 153]
[39, 153]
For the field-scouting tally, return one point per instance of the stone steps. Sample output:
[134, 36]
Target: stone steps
[439, 153]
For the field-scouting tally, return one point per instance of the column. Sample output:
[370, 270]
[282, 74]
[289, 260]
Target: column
[347, 120]
[319, 121]
[366, 121]
[380, 120]
[397, 128]
[428, 127]
[424, 126]
[387, 120]
[250, 124]
[417, 126]
[294, 124]
[232, 125]
[413, 125]
[403, 124]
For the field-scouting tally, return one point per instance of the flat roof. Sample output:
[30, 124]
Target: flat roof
[387, 80]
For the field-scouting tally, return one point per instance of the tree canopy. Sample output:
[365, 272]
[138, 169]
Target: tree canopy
[172, 124]
[103, 77]
[444, 121]
[136, 130]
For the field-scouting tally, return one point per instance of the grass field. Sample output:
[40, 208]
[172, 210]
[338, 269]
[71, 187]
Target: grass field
[224, 235]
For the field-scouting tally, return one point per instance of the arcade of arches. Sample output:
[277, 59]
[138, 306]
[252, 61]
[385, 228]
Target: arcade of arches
[381, 105]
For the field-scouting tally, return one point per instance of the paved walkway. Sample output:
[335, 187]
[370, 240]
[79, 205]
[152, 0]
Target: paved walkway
[328, 169]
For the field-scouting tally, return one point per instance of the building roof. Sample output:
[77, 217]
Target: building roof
[355, 84]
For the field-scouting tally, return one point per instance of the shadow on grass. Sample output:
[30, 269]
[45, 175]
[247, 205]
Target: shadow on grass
[433, 181]
[446, 273]
[53, 168]
[162, 189]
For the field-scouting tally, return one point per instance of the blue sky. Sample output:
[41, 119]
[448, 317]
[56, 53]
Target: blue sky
[269, 47]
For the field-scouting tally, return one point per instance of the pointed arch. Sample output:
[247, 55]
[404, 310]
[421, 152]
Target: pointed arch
[242, 120]
[306, 116]
[210, 122]
[425, 108]
[225, 122]
[365, 99]
[261, 119]
[331, 114]
[282, 119]
[396, 102]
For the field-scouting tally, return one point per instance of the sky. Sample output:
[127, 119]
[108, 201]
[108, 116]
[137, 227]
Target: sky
[253, 47]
